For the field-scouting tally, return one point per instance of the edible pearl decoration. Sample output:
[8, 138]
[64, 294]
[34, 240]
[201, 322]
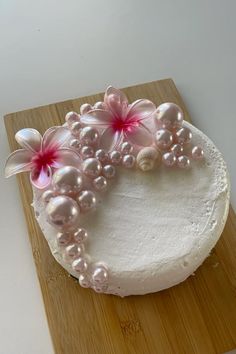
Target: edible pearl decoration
[67, 180]
[80, 235]
[84, 281]
[80, 265]
[177, 149]
[126, 148]
[86, 152]
[47, 195]
[62, 212]
[92, 167]
[169, 116]
[101, 155]
[163, 139]
[99, 105]
[100, 183]
[73, 250]
[86, 200]
[100, 275]
[89, 136]
[197, 153]
[85, 108]
[75, 143]
[71, 117]
[63, 238]
[109, 171]
[183, 135]
[115, 157]
[169, 159]
[75, 128]
[128, 161]
[183, 162]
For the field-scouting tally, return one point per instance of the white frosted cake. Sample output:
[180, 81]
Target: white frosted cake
[159, 218]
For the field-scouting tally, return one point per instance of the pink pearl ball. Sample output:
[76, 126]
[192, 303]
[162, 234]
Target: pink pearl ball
[109, 171]
[84, 281]
[115, 157]
[89, 136]
[197, 153]
[73, 250]
[169, 116]
[163, 139]
[101, 155]
[62, 212]
[67, 180]
[92, 167]
[63, 238]
[128, 161]
[87, 201]
[183, 162]
[75, 143]
[177, 149]
[47, 195]
[85, 108]
[126, 148]
[169, 159]
[75, 128]
[100, 275]
[80, 235]
[99, 105]
[183, 135]
[80, 265]
[71, 117]
[100, 183]
[86, 152]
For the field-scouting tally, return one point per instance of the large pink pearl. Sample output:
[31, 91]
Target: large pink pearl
[177, 149]
[128, 161]
[80, 235]
[85, 108]
[86, 200]
[169, 116]
[109, 171]
[47, 195]
[67, 180]
[183, 135]
[183, 162]
[163, 139]
[169, 159]
[101, 155]
[100, 183]
[197, 153]
[87, 152]
[62, 212]
[99, 275]
[92, 167]
[71, 117]
[89, 136]
[76, 128]
[80, 265]
[115, 157]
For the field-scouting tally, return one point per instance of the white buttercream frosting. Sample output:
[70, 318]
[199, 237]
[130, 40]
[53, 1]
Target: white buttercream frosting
[153, 229]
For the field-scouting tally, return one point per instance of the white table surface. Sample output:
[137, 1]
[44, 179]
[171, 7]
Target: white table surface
[52, 50]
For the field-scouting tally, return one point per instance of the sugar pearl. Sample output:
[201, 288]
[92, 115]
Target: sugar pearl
[100, 275]
[92, 167]
[183, 162]
[115, 157]
[169, 159]
[84, 281]
[80, 235]
[73, 250]
[163, 139]
[128, 161]
[75, 143]
[75, 128]
[126, 148]
[101, 155]
[109, 171]
[197, 153]
[47, 195]
[85, 108]
[177, 149]
[183, 135]
[86, 152]
[63, 238]
[80, 265]
[67, 180]
[71, 117]
[100, 288]
[99, 105]
[169, 116]
[89, 136]
[100, 183]
[86, 200]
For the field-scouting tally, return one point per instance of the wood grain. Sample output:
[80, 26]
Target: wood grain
[197, 316]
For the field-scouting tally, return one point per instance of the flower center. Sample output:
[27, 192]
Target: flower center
[119, 124]
[44, 158]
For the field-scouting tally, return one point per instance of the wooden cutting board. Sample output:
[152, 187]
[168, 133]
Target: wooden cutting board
[197, 316]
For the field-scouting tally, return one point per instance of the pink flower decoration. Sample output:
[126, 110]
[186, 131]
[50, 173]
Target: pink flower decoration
[121, 120]
[41, 154]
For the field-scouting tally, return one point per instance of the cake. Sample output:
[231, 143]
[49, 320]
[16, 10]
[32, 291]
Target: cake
[131, 199]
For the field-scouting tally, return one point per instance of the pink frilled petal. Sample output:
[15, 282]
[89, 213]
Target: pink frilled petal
[55, 137]
[18, 161]
[110, 139]
[139, 135]
[140, 109]
[66, 157]
[116, 101]
[41, 178]
[30, 139]
[97, 117]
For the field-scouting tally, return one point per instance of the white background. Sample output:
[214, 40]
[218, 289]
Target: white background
[52, 50]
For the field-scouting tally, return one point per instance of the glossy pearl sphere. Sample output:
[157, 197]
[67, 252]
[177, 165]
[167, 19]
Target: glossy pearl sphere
[99, 105]
[100, 183]
[183, 136]
[75, 143]
[101, 155]
[73, 250]
[92, 167]
[47, 195]
[99, 275]
[80, 265]
[89, 136]
[169, 159]
[115, 157]
[84, 281]
[76, 128]
[169, 116]
[80, 235]
[197, 153]
[63, 238]
[67, 180]
[71, 117]
[109, 171]
[85, 108]
[86, 152]
[62, 212]
[128, 161]
[183, 162]
[163, 139]
[177, 149]
[126, 148]
[86, 200]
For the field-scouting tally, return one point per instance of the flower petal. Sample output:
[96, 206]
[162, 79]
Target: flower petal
[110, 139]
[141, 109]
[41, 179]
[55, 137]
[66, 157]
[116, 101]
[18, 161]
[29, 138]
[97, 117]
[139, 136]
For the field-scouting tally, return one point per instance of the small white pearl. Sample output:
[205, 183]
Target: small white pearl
[63, 238]
[183, 162]
[100, 275]
[75, 128]
[86, 152]
[75, 143]
[128, 161]
[169, 159]
[126, 148]
[109, 171]
[84, 281]
[86, 200]
[80, 235]
[47, 195]
[80, 265]
[101, 155]
[85, 108]
[71, 117]
[115, 157]
[100, 183]
[73, 250]
[99, 105]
